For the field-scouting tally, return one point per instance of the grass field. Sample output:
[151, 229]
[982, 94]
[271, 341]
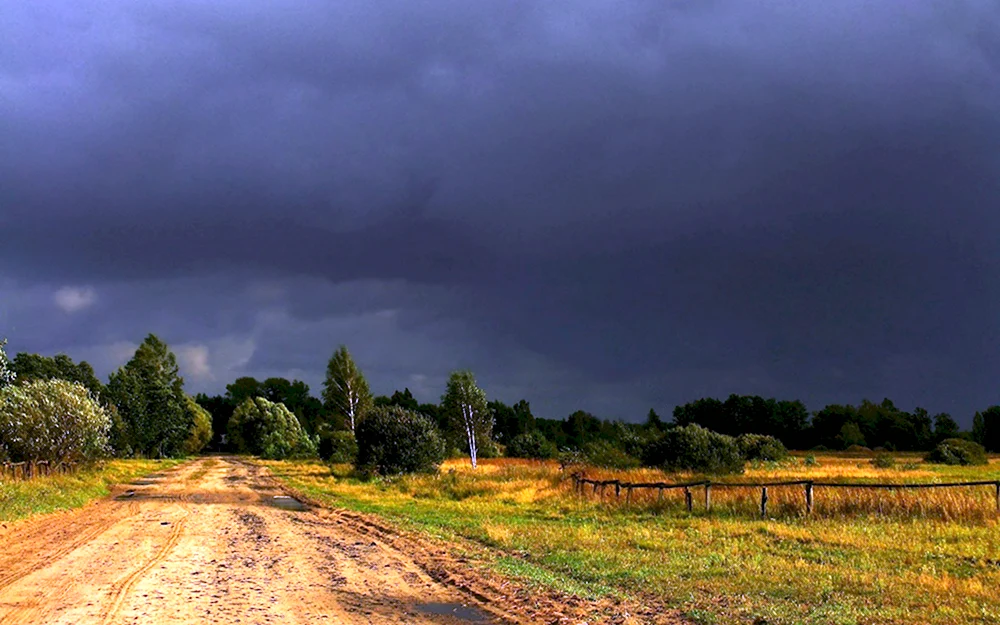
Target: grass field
[932, 557]
[19, 500]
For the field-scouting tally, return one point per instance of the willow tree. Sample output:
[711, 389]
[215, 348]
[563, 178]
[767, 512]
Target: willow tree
[465, 405]
[345, 390]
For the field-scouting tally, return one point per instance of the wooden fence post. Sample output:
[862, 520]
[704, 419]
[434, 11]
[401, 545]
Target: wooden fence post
[763, 502]
[618, 489]
[809, 497]
[708, 496]
[688, 499]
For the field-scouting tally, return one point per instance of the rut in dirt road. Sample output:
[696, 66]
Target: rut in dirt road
[203, 543]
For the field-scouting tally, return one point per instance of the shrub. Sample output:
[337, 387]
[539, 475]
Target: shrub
[811, 461]
[694, 448]
[268, 430]
[52, 420]
[393, 440]
[530, 445]
[201, 427]
[761, 447]
[607, 455]
[858, 449]
[883, 460]
[338, 446]
[957, 451]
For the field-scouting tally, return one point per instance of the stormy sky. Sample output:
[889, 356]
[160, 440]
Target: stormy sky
[601, 205]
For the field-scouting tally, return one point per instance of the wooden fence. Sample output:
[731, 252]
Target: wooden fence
[28, 470]
[580, 483]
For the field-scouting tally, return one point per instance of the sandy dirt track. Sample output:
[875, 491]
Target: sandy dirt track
[203, 543]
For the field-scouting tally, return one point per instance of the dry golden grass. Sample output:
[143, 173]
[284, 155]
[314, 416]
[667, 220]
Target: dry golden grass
[847, 564]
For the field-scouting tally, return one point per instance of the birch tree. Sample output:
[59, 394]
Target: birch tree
[465, 404]
[345, 390]
[7, 375]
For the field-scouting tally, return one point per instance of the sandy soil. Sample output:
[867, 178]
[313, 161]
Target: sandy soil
[204, 543]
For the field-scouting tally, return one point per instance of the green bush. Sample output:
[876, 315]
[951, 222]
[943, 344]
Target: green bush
[694, 448]
[957, 451]
[883, 460]
[761, 447]
[268, 430]
[201, 427]
[530, 445]
[607, 455]
[52, 420]
[393, 440]
[811, 461]
[338, 446]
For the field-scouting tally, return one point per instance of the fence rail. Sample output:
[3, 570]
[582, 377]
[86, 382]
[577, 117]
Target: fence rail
[29, 470]
[580, 483]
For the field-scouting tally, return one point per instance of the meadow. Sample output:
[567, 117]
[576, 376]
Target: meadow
[22, 499]
[929, 556]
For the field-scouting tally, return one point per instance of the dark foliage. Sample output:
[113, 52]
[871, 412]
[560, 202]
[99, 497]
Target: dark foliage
[392, 440]
[531, 445]
[694, 448]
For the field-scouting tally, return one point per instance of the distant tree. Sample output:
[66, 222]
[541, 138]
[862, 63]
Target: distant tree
[466, 406]
[345, 391]
[791, 423]
[944, 427]
[986, 428]
[404, 399]
[243, 389]
[530, 445]
[654, 422]
[60, 367]
[709, 413]
[268, 430]
[149, 396]
[201, 427]
[511, 421]
[221, 410]
[850, 434]
[828, 423]
[7, 375]
[581, 428]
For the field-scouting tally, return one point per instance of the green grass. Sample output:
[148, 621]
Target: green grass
[19, 500]
[727, 567]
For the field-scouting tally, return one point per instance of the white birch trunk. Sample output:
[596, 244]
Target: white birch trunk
[470, 430]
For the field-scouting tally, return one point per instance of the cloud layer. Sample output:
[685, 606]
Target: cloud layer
[594, 206]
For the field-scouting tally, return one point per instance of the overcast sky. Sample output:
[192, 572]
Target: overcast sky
[600, 205]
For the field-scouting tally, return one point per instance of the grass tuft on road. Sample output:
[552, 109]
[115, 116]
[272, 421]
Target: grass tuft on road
[727, 567]
[19, 500]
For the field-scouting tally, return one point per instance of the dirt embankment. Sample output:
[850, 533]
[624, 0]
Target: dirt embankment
[208, 542]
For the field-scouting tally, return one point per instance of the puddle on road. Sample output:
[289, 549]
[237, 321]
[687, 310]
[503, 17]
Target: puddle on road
[287, 503]
[459, 611]
[143, 482]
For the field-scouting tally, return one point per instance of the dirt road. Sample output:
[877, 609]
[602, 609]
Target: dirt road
[204, 543]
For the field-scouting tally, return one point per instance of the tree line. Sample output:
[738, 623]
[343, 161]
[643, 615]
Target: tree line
[144, 411]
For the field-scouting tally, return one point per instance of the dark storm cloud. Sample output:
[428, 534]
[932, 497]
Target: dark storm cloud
[604, 205]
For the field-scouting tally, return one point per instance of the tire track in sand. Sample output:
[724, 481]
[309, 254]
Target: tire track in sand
[121, 589]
